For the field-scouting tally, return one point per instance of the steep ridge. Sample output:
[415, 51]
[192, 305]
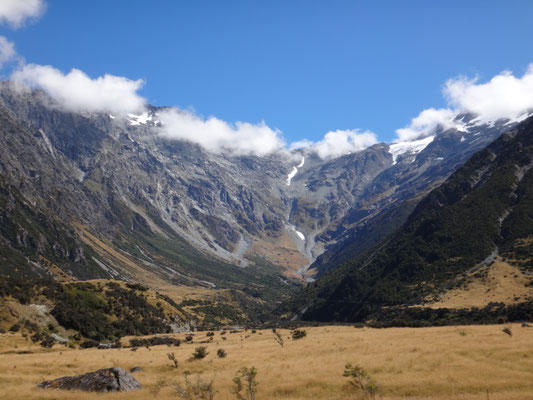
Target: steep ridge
[481, 212]
[64, 211]
[395, 191]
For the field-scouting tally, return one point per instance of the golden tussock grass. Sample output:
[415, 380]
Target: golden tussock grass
[422, 363]
[504, 283]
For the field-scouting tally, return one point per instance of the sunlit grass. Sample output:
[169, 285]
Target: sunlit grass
[423, 363]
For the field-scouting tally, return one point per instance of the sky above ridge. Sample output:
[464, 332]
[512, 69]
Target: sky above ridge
[305, 68]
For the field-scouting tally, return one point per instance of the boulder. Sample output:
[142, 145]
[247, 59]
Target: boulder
[103, 380]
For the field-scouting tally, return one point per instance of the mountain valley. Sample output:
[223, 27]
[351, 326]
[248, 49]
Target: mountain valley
[98, 196]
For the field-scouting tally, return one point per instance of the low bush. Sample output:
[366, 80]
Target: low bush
[172, 357]
[245, 381]
[89, 344]
[298, 334]
[360, 381]
[155, 341]
[200, 352]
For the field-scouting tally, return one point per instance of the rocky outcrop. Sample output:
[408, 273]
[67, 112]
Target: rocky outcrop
[103, 380]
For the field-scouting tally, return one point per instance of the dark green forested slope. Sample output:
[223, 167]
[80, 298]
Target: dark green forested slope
[483, 209]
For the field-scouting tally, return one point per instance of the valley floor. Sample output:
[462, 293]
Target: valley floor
[463, 362]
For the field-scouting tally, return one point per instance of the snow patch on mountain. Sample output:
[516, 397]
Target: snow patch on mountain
[411, 147]
[300, 235]
[141, 119]
[291, 175]
[294, 171]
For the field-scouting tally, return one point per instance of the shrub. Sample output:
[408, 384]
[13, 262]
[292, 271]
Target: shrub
[154, 341]
[221, 353]
[48, 342]
[200, 352]
[360, 381]
[210, 334]
[248, 376]
[88, 344]
[136, 286]
[31, 326]
[200, 390]
[278, 338]
[36, 337]
[172, 357]
[298, 334]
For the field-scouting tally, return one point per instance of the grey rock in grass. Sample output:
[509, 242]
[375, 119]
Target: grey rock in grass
[103, 380]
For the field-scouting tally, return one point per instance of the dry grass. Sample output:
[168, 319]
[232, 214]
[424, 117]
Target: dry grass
[424, 363]
[504, 283]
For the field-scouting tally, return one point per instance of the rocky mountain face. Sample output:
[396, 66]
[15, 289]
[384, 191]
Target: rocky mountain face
[369, 194]
[483, 213]
[123, 199]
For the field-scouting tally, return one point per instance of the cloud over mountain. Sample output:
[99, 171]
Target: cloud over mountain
[503, 96]
[216, 135]
[425, 123]
[7, 51]
[76, 91]
[16, 12]
[338, 143]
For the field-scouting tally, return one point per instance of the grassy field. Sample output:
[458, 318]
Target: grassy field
[469, 362]
[503, 282]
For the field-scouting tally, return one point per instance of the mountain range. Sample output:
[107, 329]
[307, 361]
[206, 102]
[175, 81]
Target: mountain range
[94, 195]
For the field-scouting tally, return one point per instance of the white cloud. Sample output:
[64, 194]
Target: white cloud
[16, 12]
[7, 51]
[504, 96]
[425, 124]
[338, 143]
[77, 92]
[215, 135]
[242, 138]
[301, 144]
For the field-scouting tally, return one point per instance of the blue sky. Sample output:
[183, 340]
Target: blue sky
[304, 67]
